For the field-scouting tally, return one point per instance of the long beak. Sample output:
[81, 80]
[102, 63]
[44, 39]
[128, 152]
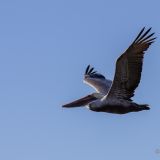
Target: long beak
[80, 102]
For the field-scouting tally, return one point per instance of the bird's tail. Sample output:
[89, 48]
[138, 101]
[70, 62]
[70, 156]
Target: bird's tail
[143, 106]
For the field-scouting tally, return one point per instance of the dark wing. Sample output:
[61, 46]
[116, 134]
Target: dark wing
[96, 80]
[129, 67]
[80, 102]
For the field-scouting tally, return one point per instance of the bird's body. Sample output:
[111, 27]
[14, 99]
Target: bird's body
[116, 106]
[115, 97]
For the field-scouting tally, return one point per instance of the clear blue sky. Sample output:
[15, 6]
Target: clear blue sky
[45, 47]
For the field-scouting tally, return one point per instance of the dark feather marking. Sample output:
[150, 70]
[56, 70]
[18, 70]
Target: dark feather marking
[139, 34]
[150, 40]
[87, 69]
[143, 35]
[93, 74]
[90, 72]
[145, 38]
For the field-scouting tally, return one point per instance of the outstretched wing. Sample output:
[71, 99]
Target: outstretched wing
[129, 67]
[80, 102]
[96, 80]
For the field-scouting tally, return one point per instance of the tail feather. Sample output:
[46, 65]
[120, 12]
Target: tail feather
[144, 106]
[140, 107]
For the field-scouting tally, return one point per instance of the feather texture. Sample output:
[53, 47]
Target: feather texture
[129, 67]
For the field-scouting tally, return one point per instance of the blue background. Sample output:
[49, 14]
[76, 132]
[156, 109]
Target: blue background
[45, 47]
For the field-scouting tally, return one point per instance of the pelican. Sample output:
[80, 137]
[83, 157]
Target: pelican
[115, 96]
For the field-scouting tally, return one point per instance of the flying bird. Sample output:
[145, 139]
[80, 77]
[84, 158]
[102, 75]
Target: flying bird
[115, 96]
